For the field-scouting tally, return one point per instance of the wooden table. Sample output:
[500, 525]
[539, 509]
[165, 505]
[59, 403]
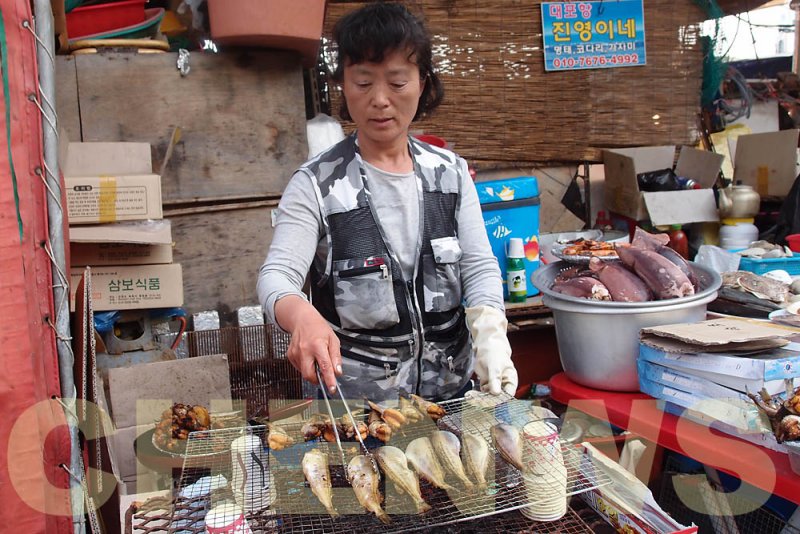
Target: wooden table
[529, 314]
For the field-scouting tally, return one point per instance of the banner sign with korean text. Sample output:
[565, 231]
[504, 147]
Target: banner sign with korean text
[593, 35]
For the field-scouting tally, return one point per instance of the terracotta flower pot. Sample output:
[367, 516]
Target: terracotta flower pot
[283, 24]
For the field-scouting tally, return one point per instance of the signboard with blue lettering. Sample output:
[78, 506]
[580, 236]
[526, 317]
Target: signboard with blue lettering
[593, 35]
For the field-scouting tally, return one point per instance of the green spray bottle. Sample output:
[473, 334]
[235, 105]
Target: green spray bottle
[515, 271]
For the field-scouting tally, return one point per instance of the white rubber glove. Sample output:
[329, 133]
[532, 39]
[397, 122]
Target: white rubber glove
[493, 363]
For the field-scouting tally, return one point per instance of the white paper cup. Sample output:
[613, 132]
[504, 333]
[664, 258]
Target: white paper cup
[545, 475]
[226, 518]
[541, 448]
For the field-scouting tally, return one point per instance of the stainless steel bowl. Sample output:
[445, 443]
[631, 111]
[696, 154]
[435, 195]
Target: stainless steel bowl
[598, 341]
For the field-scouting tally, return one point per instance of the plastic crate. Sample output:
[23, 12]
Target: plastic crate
[763, 265]
[92, 19]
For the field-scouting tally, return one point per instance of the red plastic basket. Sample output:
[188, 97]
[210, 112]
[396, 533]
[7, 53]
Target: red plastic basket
[99, 18]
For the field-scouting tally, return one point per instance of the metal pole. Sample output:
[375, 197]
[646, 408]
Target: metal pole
[795, 4]
[45, 55]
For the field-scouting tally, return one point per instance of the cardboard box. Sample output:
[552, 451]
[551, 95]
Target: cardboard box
[105, 199]
[158, 232]
[99, 254]
[728, 335]
[625, 503]
[121, 445]
[104, 158]
[767, 370]
[622, 194]
[767, 161]
[140, 393]
[132, 287]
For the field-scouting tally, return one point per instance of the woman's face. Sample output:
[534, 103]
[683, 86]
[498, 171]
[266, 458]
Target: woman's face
[382, 98]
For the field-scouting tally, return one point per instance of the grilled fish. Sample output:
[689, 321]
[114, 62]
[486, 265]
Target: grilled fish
[475, 455]
[313, 428]
[423, 459]
[395, 465]
[508, 442]
[378, 428]
[393, 417]
[365, 481]
[315, 469]
[410, 411]
[447, 448]
[277, 438]
[433, 410]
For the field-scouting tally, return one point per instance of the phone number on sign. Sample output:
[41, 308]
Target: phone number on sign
[595, 61]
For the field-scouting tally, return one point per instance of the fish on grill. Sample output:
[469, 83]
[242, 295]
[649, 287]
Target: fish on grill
[365, 481]
[318, 475]
[423, 459]
[394, 464]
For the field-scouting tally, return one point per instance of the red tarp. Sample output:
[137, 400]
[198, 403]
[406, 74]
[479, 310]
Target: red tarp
[33, 437]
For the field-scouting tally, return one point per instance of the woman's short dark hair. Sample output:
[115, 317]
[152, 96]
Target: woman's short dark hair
[375, 30]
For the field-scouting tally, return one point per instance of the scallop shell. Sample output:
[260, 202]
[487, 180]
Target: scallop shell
[754, 252]
[774, 253]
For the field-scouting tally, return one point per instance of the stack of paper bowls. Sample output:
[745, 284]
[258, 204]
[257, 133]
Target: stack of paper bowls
[545, 474]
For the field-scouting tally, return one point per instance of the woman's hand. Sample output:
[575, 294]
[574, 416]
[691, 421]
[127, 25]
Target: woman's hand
[313, 341]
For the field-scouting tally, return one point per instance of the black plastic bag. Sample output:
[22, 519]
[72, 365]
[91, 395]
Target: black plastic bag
[661, 180]
[789, 216]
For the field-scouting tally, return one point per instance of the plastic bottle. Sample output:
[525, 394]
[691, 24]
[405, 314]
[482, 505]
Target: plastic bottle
[736, 234]
[603, 221]
[515, 271]
[688, 183]
[678, 241]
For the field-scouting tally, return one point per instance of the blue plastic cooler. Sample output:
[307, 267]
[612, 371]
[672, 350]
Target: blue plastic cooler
[511, 209]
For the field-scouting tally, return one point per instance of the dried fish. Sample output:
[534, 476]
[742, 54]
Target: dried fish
[410, 411]
[475, 454]
[508, 442]
[447, 448]
[277, 438]
[394, 418]
[317, 473]
[433, 410]
[365, 482]
[421, 456]
[378, 428]
[395, 465]
[313, 428]
[349, 430]
[759, 286]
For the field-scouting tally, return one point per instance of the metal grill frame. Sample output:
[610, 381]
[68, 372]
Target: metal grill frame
[298, 510]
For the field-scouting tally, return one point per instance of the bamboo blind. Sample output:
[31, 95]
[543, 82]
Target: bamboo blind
[501, 107]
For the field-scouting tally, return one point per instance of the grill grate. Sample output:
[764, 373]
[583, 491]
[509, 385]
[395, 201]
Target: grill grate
[154, 518]
[296, 509]
[260, 375]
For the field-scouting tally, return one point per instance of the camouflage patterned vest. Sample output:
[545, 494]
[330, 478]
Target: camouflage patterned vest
[396, 335]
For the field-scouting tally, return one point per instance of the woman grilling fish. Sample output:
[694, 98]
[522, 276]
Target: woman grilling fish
[406, 296]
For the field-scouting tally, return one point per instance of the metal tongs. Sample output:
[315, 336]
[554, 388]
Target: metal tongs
[367, 452]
